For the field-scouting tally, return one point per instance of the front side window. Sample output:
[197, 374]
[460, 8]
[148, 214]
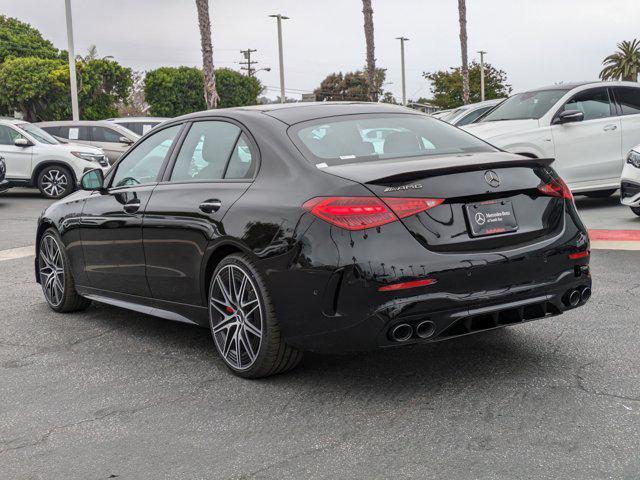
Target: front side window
[103, 134]
[350, 139]
[527, 105]
[472, 116]
[629, 100]
[8, 135]
[593, 104]
[142, 164]
[206, 151]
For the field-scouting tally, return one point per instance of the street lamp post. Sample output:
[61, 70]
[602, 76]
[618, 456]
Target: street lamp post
[72, 63]
[404, 87]
[280, 17]
[482, 54]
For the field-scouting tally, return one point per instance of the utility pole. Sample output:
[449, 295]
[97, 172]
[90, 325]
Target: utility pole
[247, 56]
[482, 54]
[72, 63]
[280, 17]
[404, 87]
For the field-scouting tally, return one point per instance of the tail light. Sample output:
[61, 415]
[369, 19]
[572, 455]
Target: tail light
[358, 213]
[579, 255]
[404, 285]
[556, 188]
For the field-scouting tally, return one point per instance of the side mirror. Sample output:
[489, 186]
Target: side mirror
[93, 180]
[569, 116]
[22, 142]
[126, 140]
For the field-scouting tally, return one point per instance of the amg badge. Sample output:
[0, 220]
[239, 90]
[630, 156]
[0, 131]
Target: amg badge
[403, 187]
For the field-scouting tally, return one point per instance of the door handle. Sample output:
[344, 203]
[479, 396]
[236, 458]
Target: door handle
[132, 206]
[608, 128]
[210, 206]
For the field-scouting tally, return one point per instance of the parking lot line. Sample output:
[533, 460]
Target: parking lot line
[20, 252]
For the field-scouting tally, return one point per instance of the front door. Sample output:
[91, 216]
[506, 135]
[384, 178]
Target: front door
[588, 153]
[214, 167]
[18, 159]
[108, 140]
[111, 225]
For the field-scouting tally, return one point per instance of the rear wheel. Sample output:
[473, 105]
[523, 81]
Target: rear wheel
[600, 193]
[243, 324]
[636, 210]
[56, 280]
[55, 182]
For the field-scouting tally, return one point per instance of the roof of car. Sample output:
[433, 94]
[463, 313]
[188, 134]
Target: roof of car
[12, 120]
[572, 85]
[138, 119]
[86, 123]
[291, 113]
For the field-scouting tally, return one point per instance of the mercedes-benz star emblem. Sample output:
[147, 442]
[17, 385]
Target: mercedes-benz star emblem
[480, 218]
[492, 178]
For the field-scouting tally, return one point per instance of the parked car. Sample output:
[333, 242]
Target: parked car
[587, 127]
[114, 140]
[35, 158]
[441, 113]
[139, 125]
[4, 183]
[630, 181]
[284, 228]
[467, 114]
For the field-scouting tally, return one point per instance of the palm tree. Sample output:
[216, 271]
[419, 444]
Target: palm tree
[624, 64]
[462, 13]
[367, 10]
[210, 93]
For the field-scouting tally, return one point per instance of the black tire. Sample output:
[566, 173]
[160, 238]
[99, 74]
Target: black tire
[600, 193]
[68, 299]
[273, 354]
[55, 182]
[636, 210]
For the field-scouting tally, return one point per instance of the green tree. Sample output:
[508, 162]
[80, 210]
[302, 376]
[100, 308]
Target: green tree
[351, 86]
[624, 64]
[447, 88]
[18, 39]
[102, 85]
[173, 91]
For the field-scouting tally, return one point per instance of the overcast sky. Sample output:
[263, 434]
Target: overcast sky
[537, 42]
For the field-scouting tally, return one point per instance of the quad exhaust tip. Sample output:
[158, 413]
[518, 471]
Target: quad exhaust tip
[574, 298]
[401, 332]
[585, 294]
[425, 329]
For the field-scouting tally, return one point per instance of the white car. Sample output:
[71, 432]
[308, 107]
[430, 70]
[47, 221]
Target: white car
[36, 159]
[630, 181]
[587, 127]
[467, 114]
[139, 125]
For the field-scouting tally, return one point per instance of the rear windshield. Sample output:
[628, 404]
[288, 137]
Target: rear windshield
[528, 105]
[351, 138]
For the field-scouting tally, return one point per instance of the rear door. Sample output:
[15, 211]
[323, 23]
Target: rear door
[213, 168]
[17, 159]
[111, 225]
[628, 99]
[588, 153]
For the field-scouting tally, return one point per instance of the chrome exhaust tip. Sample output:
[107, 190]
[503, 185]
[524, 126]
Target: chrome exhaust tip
[585, 294]
[426, 329]
[401, 332]
[574, 298]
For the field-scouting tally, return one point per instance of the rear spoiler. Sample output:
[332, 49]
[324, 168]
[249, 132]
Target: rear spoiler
[398, 170]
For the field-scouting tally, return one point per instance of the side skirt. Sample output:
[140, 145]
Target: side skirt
[178, 312]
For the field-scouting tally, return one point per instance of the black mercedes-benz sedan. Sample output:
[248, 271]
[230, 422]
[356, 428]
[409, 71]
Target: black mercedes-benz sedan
[4, 183]
[327, 227]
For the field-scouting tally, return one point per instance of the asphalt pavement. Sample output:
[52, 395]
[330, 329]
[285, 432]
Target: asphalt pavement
[108, 393]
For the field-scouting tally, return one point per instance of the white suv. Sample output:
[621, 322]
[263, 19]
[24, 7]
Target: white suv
[35, 158]
[587, 127]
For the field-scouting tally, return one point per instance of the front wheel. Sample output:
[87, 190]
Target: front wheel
[56, 280]
[55, 182]
[243, 323]
[636, 210]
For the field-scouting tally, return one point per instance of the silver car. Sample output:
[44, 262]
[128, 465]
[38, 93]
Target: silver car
[139, 125]
[113, 139]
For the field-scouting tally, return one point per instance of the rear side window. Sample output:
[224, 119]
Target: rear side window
[629, 100]
[593, 104]
[472, 116]
[69, 132]
[350, 139]
[213, 150]
[103, 134]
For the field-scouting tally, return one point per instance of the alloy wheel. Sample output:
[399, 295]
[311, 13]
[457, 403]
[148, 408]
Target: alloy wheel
[54, 182]
[51, 270]
[236, 317]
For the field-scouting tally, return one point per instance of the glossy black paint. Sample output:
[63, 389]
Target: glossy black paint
[324, 280]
